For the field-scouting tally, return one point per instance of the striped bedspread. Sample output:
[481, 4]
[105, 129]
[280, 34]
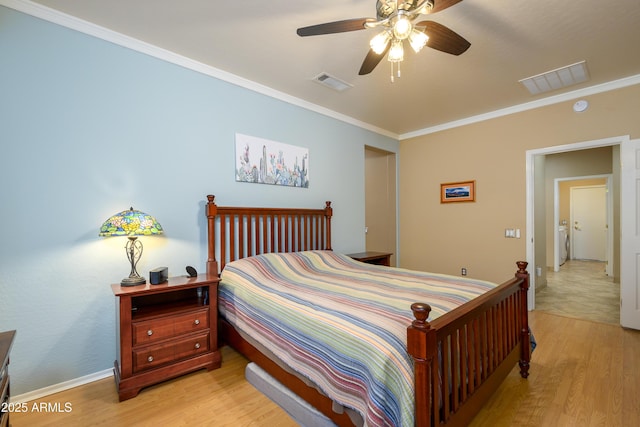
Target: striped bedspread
[340, 323]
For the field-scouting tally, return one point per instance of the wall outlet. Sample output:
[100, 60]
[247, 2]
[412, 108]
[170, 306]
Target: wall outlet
[463, 271]
[538, 271]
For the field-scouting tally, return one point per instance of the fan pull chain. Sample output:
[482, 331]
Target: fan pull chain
[392, 73]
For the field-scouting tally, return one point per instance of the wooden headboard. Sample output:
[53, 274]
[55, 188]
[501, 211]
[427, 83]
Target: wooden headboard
[239, 232]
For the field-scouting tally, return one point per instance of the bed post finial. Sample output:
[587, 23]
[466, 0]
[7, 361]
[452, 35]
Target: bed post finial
[421, 313]
[328, 213]
[212, 210]
[523, 274]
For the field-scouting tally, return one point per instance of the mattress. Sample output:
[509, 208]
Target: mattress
[340, 323]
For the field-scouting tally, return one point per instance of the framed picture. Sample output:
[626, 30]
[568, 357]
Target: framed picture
[464, 191]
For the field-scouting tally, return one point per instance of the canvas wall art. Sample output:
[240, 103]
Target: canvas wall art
[263, 161]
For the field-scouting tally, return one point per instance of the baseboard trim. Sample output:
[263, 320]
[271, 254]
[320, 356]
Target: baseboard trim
[56, 388]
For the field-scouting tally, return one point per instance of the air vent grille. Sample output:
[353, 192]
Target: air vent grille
[557, 79]
[332, 82]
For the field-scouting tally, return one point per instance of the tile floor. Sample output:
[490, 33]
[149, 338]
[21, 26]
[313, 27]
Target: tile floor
[581, 289]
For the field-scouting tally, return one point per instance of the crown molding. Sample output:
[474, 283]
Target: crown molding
[77, 24]
[71, 22]
[568, 96]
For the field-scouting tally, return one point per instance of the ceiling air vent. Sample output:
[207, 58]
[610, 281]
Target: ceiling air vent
[557, 79]
[332, 82]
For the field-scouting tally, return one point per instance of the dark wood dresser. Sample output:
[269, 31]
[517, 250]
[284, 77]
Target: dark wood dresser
[6, 341]
[165, 331]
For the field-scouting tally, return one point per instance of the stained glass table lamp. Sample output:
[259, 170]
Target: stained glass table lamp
[131, 223]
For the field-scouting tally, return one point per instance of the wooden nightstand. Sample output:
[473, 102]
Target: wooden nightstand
[6, 341]
[165, 331]
[378, 258]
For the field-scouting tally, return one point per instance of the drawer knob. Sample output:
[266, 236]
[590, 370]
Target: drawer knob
[150, 332]
[150, 359]
[197, 346]
[196, 322]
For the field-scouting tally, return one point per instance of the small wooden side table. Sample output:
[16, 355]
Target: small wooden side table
[6, 341]
[165, 330]
[378, 258]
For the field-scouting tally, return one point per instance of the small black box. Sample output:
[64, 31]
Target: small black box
[158, 275]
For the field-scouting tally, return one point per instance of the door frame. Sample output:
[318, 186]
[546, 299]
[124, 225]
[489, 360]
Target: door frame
[530, 194]
[556, 217]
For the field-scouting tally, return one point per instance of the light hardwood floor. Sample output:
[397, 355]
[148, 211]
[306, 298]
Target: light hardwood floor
[583, 373]
[221, 397]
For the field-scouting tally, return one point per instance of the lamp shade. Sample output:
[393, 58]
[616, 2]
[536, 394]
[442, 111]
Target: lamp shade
[130, 223]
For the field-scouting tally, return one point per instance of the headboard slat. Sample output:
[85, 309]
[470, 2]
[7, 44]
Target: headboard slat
[239, 232]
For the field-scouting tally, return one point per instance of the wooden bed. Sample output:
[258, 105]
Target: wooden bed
[460, 358]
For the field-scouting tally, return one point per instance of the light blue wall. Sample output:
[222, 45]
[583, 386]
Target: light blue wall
[89, 128]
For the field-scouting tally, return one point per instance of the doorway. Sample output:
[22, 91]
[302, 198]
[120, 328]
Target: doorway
[380, 202]
[581, 285]
[542, 224]
[595, 196]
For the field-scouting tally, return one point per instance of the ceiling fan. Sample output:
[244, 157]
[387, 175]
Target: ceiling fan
[396, 19]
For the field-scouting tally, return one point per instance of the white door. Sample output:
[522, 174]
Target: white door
[589, 222]
[630, 238]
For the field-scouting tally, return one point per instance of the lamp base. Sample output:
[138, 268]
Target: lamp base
[133, 281]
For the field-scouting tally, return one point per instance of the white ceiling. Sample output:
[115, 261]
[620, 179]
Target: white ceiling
[510, 40]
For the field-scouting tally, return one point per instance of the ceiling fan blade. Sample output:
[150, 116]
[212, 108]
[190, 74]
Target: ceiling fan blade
[334, 27]
[372, 60]
[439, 5]
[442, 38]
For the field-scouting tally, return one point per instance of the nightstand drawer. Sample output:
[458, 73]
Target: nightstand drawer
[153, 330]
[156, 355]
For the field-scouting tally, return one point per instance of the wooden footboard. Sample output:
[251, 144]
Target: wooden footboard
[460, 358]
[463, 356]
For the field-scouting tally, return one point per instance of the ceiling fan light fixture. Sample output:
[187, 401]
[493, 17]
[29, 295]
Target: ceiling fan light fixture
[426, 7]
[396, 53]
[380, 41]
[402, 27]
[396, 20]
[418, 40]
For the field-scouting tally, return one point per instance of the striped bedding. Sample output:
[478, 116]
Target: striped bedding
[340, 323]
